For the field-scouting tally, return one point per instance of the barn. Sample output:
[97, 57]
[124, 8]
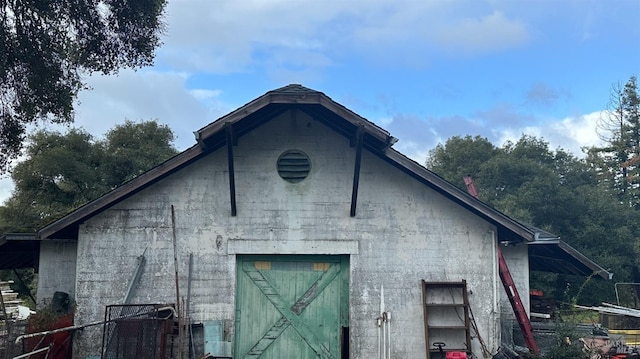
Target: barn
[293, 229]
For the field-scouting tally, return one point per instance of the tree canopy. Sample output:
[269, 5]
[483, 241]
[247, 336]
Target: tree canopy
[555, 191]
[46, 47]
[617, 162]
[64, 171]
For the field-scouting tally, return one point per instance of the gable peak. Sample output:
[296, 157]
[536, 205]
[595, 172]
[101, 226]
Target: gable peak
[294, 89]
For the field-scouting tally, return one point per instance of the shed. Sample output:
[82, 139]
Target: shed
[290, 221]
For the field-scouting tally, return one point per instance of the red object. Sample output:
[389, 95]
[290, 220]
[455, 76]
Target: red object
[510, 287]
[456, 355]
[471, 187]
[516, 303]
[536, 292]
[61, 342]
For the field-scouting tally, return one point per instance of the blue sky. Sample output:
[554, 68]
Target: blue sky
[424, 70]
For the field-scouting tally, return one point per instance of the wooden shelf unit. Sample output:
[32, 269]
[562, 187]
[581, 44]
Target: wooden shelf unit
[446, 316]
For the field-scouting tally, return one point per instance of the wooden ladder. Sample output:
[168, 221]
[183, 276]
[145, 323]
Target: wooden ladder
[446, 317]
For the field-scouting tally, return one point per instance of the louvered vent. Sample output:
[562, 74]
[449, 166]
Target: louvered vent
[294, 166]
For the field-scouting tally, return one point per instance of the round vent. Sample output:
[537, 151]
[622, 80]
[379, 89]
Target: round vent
[294, 166]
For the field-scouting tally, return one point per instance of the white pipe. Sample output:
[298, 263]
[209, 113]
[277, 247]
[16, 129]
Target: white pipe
[379, 324]
[496, 293]
[384, 339]
[388, 335]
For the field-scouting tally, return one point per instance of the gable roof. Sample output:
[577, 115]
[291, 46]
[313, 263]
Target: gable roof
[266, 107]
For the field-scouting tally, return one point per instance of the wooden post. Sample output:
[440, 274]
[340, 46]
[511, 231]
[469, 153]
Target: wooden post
[175, 264]
[356, 169]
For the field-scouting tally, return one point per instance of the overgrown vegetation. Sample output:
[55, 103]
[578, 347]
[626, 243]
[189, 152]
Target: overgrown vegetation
[63, 171]
[569, 343]
[591, 203]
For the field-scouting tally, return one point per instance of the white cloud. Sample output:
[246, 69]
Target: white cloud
[571, 133]
[146, 95]
[414, 150]
[205, 95]
[479, 35]
[238, 36]
[141, 95]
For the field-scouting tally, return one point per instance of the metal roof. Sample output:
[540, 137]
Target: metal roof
[555, 256]
[19, 250]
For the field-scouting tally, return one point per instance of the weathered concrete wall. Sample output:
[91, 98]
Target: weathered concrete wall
[57, 269]
[403, 232]
[518, 262]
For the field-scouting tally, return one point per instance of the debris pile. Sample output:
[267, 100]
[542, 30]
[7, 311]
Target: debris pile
[12, 315]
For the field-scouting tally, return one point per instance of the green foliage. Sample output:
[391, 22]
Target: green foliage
[567, 344]
[617, 161]
[452, 160]
[47, 46]
[132, 148]
[555, 191]
[64, 171]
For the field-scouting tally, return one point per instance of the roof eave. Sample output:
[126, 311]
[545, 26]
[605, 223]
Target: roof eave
[461, 197]
[120, 193]
[594, 268]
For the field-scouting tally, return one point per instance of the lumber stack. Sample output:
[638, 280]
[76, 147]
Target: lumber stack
[9, 300]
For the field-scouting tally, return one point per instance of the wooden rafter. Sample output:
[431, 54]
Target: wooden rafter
[232, 179]
[356, 169]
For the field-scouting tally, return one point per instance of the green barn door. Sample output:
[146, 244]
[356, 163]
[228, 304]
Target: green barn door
[291, 306]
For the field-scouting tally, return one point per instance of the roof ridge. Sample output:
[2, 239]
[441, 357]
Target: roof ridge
[294, 88]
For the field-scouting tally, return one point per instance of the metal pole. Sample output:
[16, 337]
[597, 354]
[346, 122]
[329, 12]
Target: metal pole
[26, 355]
[175, 264]
[383, 319]
[388, 330]
[379, 325]
[188, 312]
[615, 286]
[75, 327]
[141, 260]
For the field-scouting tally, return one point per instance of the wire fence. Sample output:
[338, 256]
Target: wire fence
[139, 331]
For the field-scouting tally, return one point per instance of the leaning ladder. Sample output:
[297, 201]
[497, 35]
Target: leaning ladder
[510, 286]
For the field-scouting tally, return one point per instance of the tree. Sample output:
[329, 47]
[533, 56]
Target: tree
[64, 171]
[47, 46]
[461, 156]
[617, 162]
[555, 191]
[132, 148]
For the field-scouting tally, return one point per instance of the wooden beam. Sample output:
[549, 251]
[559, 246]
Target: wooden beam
[356, 169]
[232, 179]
